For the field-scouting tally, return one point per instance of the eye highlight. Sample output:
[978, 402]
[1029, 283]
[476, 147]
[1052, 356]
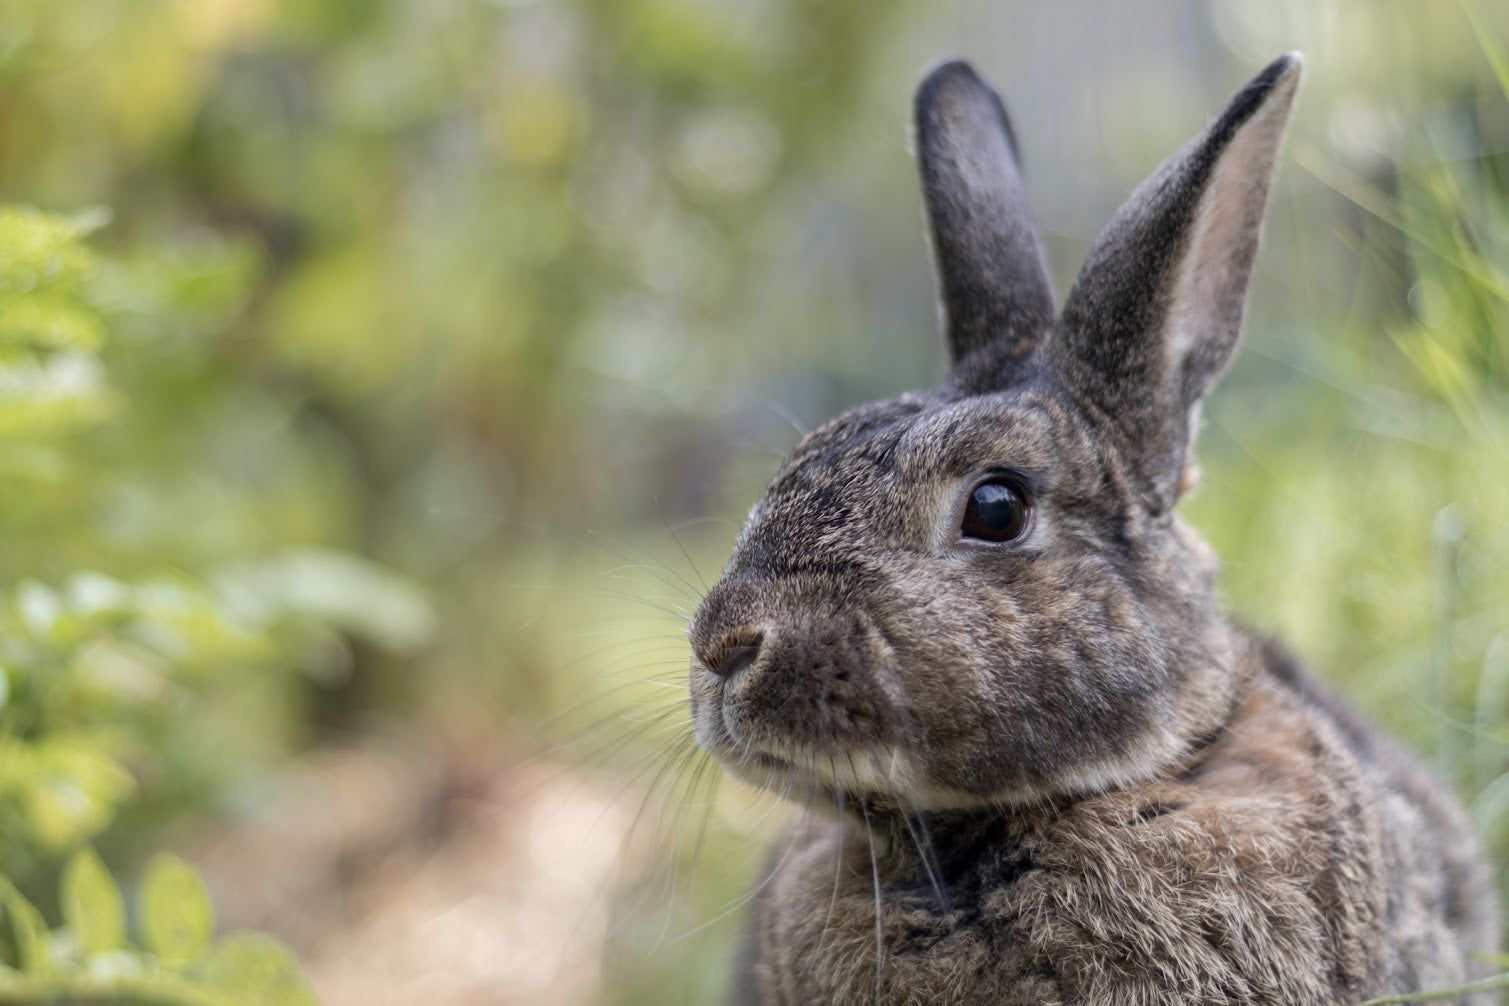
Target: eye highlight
[996, 511]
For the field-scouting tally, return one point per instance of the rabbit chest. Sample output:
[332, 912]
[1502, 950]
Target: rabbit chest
[1266, 870]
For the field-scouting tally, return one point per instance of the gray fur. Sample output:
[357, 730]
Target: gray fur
[992, 272]
[1048, 770]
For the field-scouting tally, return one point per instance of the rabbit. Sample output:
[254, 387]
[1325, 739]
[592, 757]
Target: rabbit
[967, 628]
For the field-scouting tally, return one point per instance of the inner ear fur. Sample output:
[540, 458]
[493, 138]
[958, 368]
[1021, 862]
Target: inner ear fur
[1155, 315]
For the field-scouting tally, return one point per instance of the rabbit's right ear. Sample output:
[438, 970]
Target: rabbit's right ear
[1155, 314]
[992, 275]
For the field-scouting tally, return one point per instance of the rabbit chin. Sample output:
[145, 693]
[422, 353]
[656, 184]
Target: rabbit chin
[887, 778]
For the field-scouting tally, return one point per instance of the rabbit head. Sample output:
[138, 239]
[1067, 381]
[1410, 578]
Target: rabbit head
[979, 594]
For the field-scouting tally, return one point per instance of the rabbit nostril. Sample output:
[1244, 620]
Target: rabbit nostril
[737, 652]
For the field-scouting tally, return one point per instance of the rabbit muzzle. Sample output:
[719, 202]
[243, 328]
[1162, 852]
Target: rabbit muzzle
[790, 688]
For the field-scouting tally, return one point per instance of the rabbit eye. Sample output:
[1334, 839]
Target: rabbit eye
[995, 512]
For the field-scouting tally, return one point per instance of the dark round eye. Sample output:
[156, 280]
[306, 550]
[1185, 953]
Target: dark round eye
[996, 512]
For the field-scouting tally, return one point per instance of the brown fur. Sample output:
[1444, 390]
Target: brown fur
[1046, 770]
[1264, 869]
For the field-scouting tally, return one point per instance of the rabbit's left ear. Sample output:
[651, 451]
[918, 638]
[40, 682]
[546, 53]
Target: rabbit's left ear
[1154, 317]
[993, 287]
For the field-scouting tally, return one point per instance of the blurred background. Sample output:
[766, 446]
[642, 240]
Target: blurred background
[405, 368]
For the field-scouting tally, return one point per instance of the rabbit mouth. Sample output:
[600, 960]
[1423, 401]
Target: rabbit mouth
[790, 767]
[876, 776]
[872, 776]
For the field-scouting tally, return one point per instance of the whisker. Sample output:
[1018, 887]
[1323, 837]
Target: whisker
[838, 860]
[682, 525]
[608, 595]
[691, 589]
[618, 740]
[685, 554]
[786, 414]
[674, 831]
[750, 895]
[905, 810]
[875, 876]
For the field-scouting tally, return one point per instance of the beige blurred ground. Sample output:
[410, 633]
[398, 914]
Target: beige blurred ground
[407, 874]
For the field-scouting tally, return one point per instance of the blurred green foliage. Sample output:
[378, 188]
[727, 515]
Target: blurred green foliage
[413, 319]
[91, 957]
[96, 672]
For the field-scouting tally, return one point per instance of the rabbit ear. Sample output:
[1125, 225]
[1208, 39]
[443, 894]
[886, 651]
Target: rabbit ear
[992, 275]
[1155, 314]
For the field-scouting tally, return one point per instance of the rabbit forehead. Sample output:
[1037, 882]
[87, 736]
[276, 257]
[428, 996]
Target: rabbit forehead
[938, 435]
[1025, 429]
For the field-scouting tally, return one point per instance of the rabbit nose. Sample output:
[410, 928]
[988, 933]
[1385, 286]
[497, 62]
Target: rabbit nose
[735, 652]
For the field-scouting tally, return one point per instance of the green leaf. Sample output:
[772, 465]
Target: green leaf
[176, 618]
[338, 589]
[70, 788]
[259, 970]
[1486, 42]
[59, 394]
[39, 607]
[24, 929]
[50, 321]
[94, 595]
[177, 921]
[41, 250]
[92, 907]
[1433, 995]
